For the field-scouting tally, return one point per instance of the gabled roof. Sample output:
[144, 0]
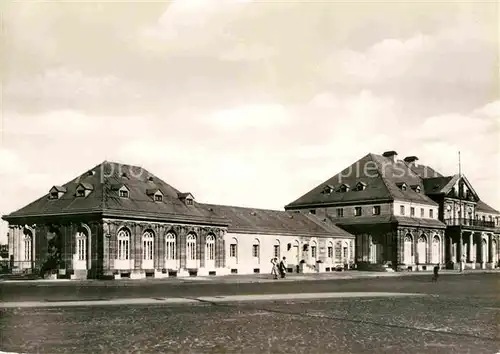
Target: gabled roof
[107, 178]
[264, 221]
[60, 189]
[381, 176]
[87, 186]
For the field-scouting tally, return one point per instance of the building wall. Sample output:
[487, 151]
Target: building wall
[418, 206]
[294, 248]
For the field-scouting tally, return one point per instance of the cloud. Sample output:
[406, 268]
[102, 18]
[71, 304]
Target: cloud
[250, 116]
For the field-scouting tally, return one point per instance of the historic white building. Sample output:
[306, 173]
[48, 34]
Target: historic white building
[119, 221]
[407, 215]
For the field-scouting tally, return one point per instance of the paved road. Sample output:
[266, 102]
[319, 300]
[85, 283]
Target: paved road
[446, 323]
[98, 290]
[459, 314]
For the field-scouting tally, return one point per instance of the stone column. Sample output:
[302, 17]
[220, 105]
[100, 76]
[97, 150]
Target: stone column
[202, 246]
[460, 251]
[105, 247]
[479, 247]
[470, 254]
[137, 245]
[450, 249]
[181, 245]
[490, 249]
[369, 246]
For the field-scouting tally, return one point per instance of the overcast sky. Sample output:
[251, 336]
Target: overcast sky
[247, 103]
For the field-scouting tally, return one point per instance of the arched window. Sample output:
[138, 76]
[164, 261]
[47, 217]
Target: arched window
[210, 245]
[330, 250]
[314, 250]
[436, 250]
[81, 244]
[256, 249]
[28, 245]
[277, 251]
[408, 249]
[422, 249]
[123, 244]
[170, 246]
[191, 247]
[345, 251]
[148, 245]
[233, 248]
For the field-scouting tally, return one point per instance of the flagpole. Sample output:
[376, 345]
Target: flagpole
[461, 211]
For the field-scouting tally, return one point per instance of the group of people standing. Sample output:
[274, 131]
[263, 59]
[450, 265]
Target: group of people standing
[278, 268]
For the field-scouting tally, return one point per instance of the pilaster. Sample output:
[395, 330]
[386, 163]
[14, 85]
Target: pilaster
[490, 248]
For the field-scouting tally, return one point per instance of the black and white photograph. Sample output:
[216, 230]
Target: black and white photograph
[249, 176]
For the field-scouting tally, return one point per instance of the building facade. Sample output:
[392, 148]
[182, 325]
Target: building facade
[119, 221]
[407, 215]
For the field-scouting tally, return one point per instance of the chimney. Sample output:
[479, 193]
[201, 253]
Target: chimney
[390, 155]
[410, 160]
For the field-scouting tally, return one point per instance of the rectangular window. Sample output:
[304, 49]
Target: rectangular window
[340, 212]
[422, 212]
[312, 211]
[313, 252]
[80, 193]
[376, 210]
[330, 252]
[123, 193]
[412, 211]
[345, 254]
[232, 250]
[255, 251]
[357, 211]
[431, 213]
[277, 251]
[54, 195]
[158, 198]
[402, 210]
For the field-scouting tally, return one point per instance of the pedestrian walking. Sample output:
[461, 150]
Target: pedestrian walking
[282, 267]
[436, 273]
[274, 268]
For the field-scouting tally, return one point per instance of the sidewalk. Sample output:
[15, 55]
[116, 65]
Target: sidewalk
[262, 278]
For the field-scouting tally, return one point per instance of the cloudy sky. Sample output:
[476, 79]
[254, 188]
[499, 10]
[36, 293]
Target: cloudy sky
[248, 103]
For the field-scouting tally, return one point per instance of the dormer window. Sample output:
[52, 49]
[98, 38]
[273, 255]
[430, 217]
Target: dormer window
[327, 189]
[156, 194]
[123, 193]
[344, 188]
[416, 188]
[84, 189]
[360, 186]
[187, 198]
[56, 192]
[403, 186]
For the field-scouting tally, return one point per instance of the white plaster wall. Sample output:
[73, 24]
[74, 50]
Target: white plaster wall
[245, 263]
[417, 206]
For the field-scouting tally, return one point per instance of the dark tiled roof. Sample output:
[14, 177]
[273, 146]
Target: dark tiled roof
[105, 180]
[482, 206]
[275, 222]
[424, 171]
[438, 185]
[381, 177]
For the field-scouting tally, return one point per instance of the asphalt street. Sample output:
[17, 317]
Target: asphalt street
[99, 290]
[459, 314]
